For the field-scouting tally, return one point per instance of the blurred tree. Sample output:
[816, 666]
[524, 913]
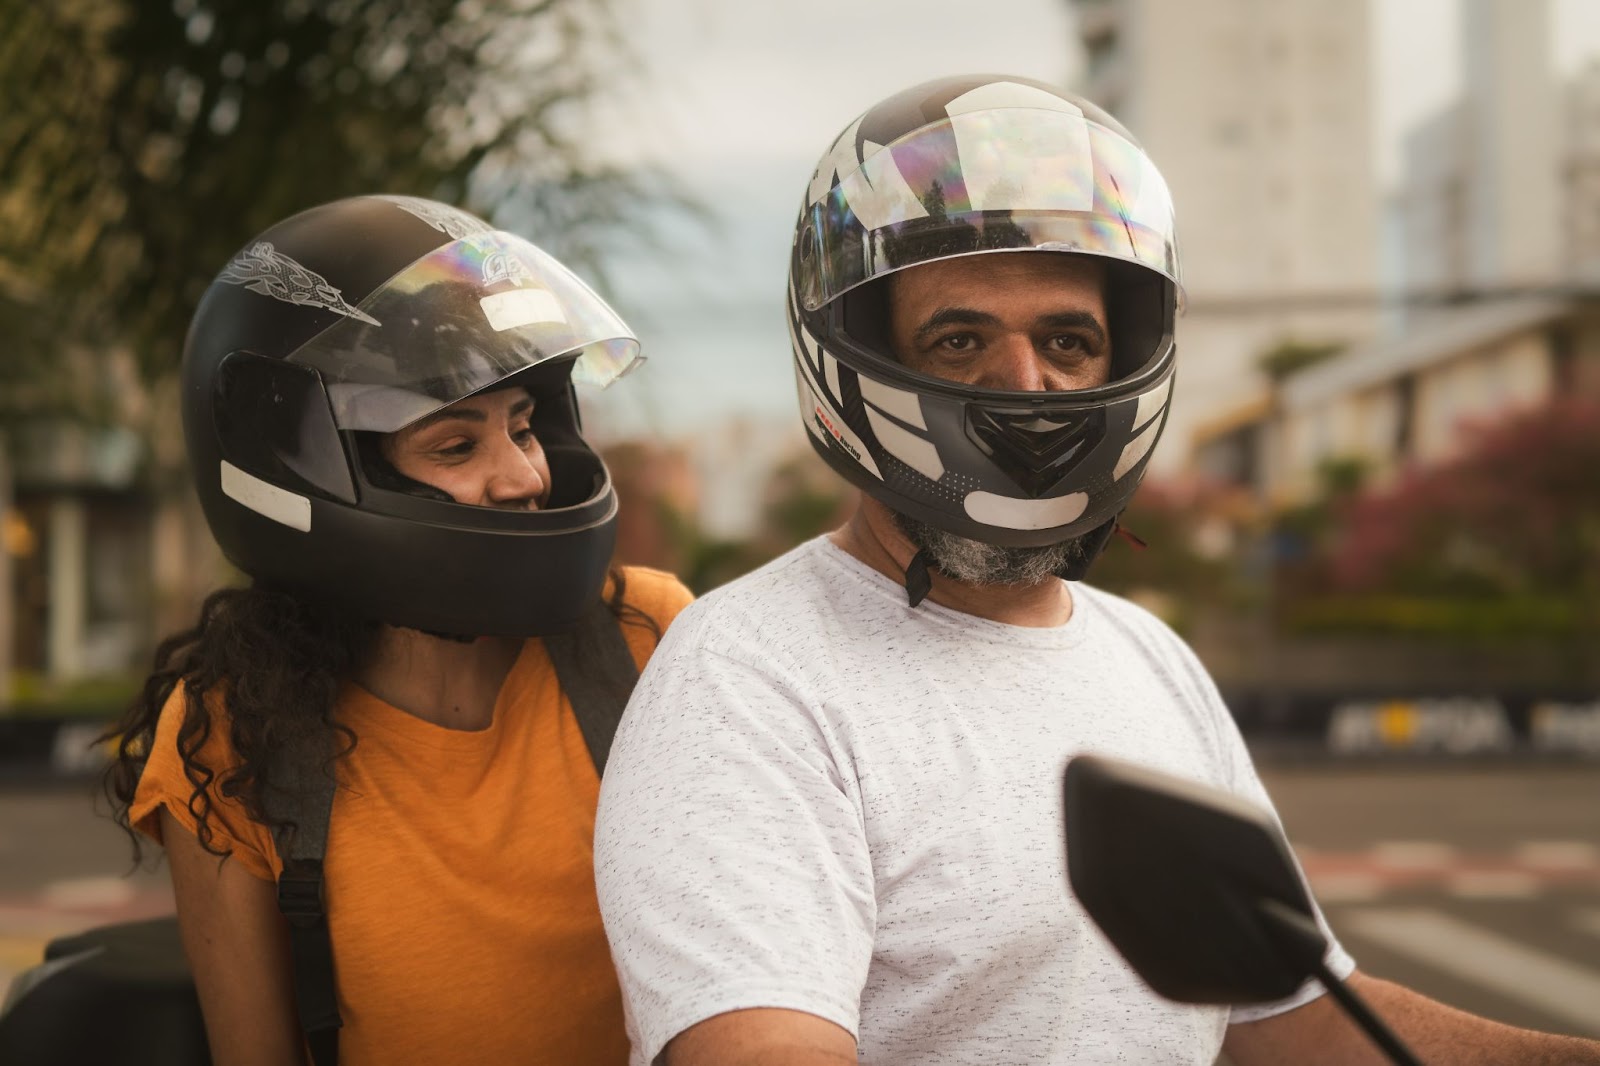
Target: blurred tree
[1193, 532]
[141, 143]
[1519, 512]
[1503, 539]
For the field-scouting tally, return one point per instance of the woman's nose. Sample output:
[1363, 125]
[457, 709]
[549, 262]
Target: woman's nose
[518, 478]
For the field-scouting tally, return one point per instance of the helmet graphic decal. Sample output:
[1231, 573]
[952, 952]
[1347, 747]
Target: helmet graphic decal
[878, 194]
[1136, 449]
[442, 217]
[500, 267]
[262, 268]
[919, 453]
[897, 402]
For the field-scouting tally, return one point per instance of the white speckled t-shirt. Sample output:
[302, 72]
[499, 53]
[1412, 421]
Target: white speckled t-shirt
[824, 800]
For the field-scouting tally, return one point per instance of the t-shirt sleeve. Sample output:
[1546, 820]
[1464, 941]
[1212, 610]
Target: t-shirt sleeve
[1242, 780]
[730, 856]
[165, 785]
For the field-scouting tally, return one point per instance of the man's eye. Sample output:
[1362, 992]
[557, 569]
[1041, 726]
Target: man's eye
[957, 342]
[1069, 342]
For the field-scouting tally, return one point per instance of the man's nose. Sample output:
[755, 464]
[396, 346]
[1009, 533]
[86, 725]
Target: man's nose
[516, 480]
[1014, 365]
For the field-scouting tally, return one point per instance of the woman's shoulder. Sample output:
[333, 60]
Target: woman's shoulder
[656, 593]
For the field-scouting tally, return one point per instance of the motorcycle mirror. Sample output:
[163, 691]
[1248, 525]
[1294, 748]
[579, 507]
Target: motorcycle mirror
[1173, 872]
[1197, 889]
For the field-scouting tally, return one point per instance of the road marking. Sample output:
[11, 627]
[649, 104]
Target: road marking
[1493, 884]
[1559, 988]
[1558, 855]
[1413, 854]
[1347, 887]
[88, 893]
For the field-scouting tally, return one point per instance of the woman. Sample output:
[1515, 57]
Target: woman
[379, 415]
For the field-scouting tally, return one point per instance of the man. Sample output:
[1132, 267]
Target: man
[831, 826]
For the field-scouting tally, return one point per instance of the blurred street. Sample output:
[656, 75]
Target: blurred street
[1477, 885]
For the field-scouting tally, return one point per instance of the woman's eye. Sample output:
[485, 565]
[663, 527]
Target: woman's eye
[459, 450]
[523, 437]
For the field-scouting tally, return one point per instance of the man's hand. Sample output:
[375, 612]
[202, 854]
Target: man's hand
[1321, 1033]
[767, 1037]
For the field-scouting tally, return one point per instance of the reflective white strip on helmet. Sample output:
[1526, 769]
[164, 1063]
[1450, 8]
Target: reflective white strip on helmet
[916, 452]
[1009, 512]
[264, 498]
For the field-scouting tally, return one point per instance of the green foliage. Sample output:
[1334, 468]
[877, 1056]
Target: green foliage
[1502, 540]
[141, 143]
[803, 500]
[1288, 357]
[1500, 618]
[1172, 575]
[93, 697]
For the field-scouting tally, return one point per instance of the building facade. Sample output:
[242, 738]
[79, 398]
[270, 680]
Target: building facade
[1259, 114]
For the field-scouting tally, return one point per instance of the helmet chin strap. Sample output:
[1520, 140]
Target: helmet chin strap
[1090, 545]
[918, 580]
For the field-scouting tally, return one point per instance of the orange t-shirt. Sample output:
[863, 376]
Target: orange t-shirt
[459, 871]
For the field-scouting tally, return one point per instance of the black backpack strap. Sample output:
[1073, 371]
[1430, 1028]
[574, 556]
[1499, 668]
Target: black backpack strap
[304, 797]
[597, 673]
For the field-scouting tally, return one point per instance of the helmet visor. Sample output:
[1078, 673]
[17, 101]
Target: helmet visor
[998, 179]
[459, 319]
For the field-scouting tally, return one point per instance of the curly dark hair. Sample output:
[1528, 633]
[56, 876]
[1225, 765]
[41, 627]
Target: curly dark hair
[278, 661]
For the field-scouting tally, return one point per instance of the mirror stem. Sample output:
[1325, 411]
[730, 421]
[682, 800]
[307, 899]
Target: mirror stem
[1301, 944]
[1358, 1010]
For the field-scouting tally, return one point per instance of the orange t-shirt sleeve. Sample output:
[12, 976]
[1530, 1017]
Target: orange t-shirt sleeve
[164, 785]
[657, 594]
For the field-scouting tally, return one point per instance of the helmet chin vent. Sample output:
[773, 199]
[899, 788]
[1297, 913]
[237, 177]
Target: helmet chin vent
[1036, 449]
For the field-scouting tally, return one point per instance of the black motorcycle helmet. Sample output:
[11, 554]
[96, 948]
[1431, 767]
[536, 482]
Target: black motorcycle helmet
[976, 165]
[353, 320]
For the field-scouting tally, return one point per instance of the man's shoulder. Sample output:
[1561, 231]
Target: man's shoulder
[1137, 620]
[788, 584]
[780, 610]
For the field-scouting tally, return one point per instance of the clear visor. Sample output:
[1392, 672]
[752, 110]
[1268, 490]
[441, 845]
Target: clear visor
[991, 180]
[458, 320]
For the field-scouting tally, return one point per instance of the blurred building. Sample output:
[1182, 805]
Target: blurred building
[1412, 400]
[1482, 197]
[1498, 210]
[658, 492]
[1259, 114]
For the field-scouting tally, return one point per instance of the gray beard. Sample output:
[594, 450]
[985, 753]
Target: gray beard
[977, 563]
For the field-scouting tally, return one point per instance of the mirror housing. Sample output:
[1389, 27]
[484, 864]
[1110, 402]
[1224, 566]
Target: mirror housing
[1195, 887]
